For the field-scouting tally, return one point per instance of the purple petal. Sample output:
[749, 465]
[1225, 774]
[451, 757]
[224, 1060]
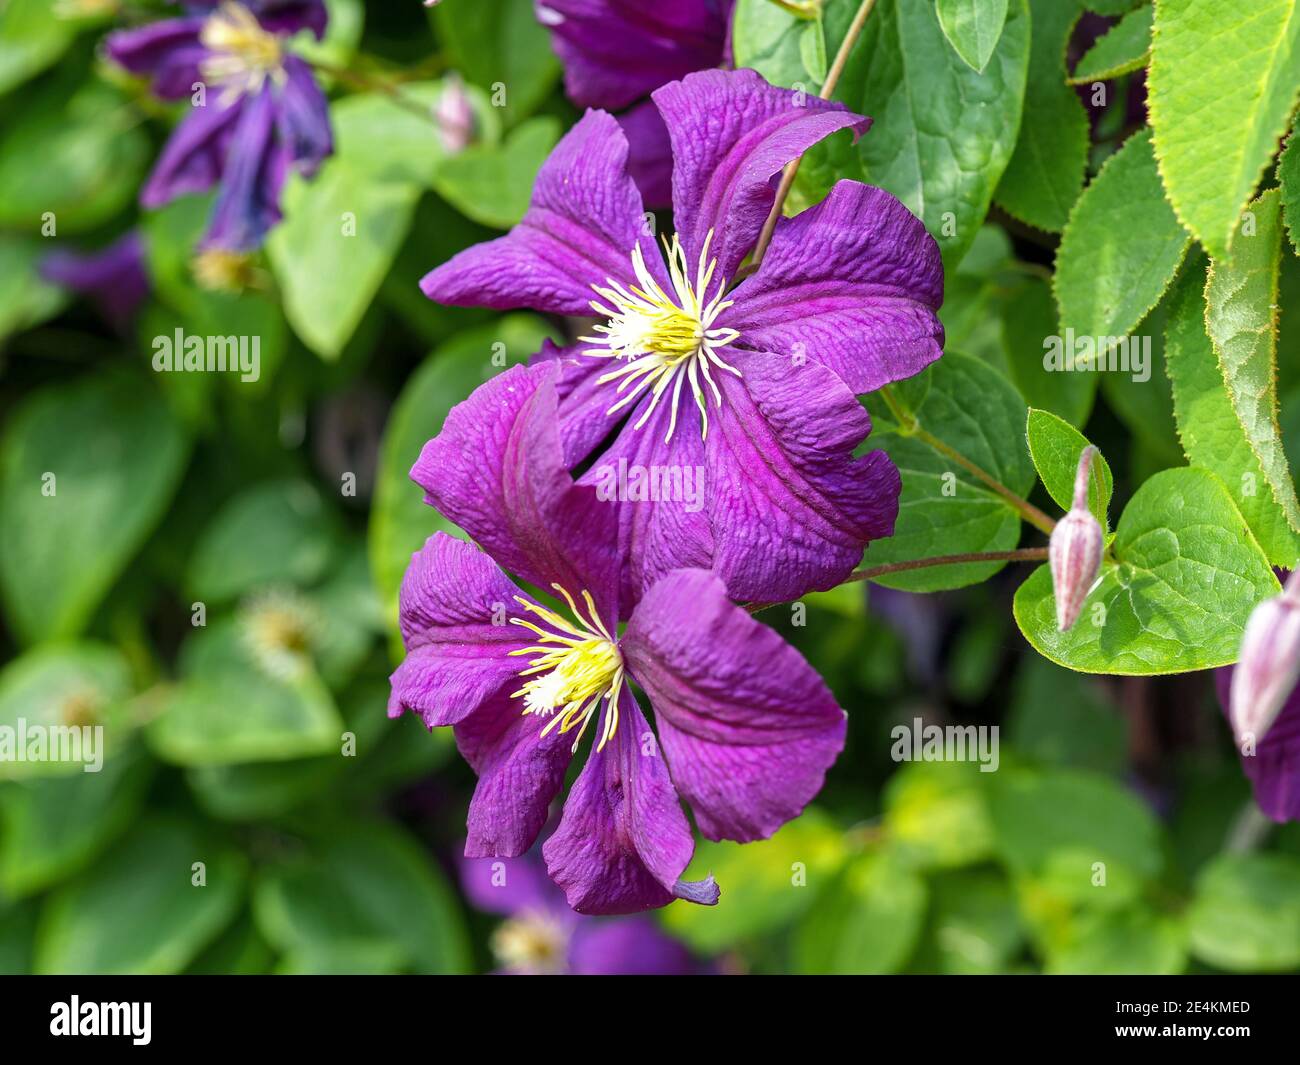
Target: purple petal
[114, 278]
[302, 118]
[623, 842]
[854, 283]
[279, 16]
[584, 403]
[497, 471]
[194, 156]
[248, 204]
[584, 219]
[627, 946]
[616, 51]
[510, 885]
[747, 726]
[167, 52]
[650, 154]
[454, 606]
[1274, 768]
[732, 133]
[791, 508]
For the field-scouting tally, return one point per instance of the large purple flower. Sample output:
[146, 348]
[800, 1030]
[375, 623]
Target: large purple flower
[542, 936]
[616, 52]
[258, 114]
[1274, 767]
[745, 728]
[752, 387]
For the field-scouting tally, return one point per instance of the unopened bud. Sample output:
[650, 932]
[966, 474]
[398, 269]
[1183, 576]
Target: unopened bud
[1075, 548]
[1269, 665]
[455, 116]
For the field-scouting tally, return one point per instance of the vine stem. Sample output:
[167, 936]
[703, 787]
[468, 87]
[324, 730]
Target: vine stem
[358, 80]
[1026, 509]
[1020, 554]
[792, 167]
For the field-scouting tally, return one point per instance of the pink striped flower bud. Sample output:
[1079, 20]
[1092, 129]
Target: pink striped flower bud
[455, 115]
[1075, 549]
[1269, 665]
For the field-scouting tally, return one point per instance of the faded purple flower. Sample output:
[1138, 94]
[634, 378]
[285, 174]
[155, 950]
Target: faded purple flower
[258, 113]
[753, 388]
[617, 52]
[541, 935]
[114, 279]
[746, 729]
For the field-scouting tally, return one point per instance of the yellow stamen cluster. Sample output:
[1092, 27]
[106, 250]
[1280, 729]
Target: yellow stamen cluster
[222, 270]
[280, 628]
[666, 339]
[532, 942]
[577, 664]
[244, 55]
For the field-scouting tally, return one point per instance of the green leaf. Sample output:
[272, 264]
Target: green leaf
[936, 814]
[1222, 86]
[112, 478]
[138, 910]
[1245, 913]
[400, 520]
[55, 826]
[1126, 47]
[973, 28]
[1136, 941]
[1186, 575]
[1120, 250]
[1063, 719]
[32, 36]
[1055, 447]
[1029, 322]
[1211, 434]
[812, 50]
[944, 509]
[500, 43]
[1045, 175]
[869, 921]
[492, 183]
[1288, 176]
[1241, 308]
[974, 927]
[294, 533]
[64, 684]
[765, 885]
[364, 895]
[236, 703]
[26, 298]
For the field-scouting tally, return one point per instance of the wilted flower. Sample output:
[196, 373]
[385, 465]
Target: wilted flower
[257, 111]
[1075, 549]
[746, 729]
[617, 52]
[754, 386]
[1269, 664]
[114, 279]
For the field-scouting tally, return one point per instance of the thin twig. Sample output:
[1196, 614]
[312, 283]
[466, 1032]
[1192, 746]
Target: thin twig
[1020, 554]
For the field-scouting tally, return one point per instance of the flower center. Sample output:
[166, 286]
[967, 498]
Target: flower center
[665, 339]
[575, 666]
[243, 54]
[531, 942]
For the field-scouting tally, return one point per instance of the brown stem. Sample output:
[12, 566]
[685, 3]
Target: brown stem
[370, 83]
[792, 167]
[1020, 554]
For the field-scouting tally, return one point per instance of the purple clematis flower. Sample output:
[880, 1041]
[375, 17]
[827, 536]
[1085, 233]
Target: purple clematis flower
[260, 112]
[752, 388]
[1274, 768]
[616, 52]
[746, 729]
[541, 935]
[114, 279]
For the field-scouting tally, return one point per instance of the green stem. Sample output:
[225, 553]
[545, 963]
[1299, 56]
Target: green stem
[373, 83]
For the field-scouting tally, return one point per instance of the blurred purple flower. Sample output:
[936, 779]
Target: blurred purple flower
[541, 935]
[258, 114]
[844, 302]
[746, 728]
[616, 52]
[113, 278]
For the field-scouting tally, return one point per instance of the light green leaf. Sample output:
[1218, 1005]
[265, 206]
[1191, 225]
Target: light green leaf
[973, 28]
[868, 922]
[400, 520]
[32, 36]
[1222, 86]
[1136, 941]
[936, 814]
[1241, 309]
[1208, 427]
[1187, 574]
[1055, 447]
[138, 909]
[973, 928]
[1045, 175]
[492, 183]
[66, 540]
[944, 509]
[26, 298]
[1120, 249]
[1125, 48]
[812, 50]
[1245, 913]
